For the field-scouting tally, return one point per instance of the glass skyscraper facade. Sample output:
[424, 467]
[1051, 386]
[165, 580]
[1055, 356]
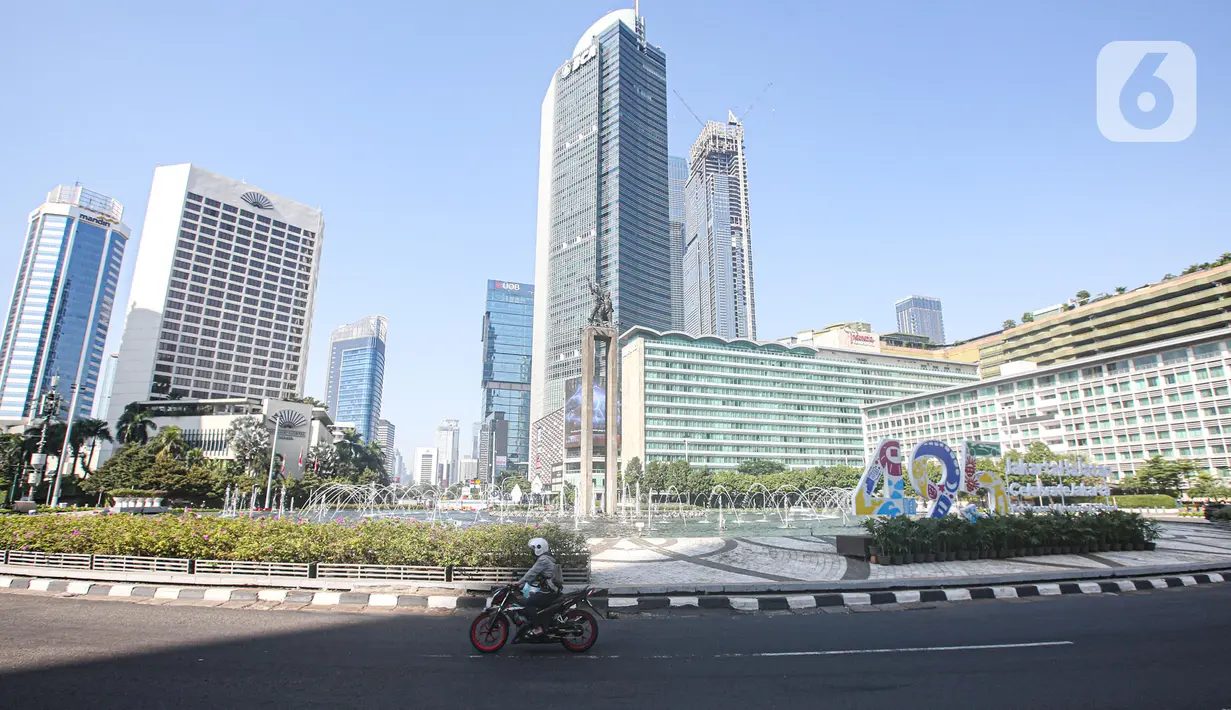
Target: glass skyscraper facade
[357, 374]
[603, 205]
[677, 177]
[719, 298]
[921, 315]
[507, 329]
[62, 299]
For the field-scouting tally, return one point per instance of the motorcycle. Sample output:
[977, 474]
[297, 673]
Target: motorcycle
[575, 628]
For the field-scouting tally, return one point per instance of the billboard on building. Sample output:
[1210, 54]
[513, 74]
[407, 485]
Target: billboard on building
[572, 416]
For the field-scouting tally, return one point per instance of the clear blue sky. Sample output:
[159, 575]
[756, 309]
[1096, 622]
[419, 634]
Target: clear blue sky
[941, 148]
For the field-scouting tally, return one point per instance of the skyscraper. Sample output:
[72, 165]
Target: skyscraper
[718, 288]
[448, 437]
[677, 178]
[385, 437]
[102, 398]
[493, 447]
[62, 299]
[921, 315]
[507, 331]
[602, 209]
[357, 373]
[222, 294]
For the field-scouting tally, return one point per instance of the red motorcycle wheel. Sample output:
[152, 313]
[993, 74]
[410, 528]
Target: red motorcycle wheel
[488, 633]
[581, 642]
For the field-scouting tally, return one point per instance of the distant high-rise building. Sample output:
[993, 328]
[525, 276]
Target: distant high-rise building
[474, 443]
[493, 447]
[602, 208]
[102, 400]
[399, 468]
[921, 315]
[384, 437]
[448, 437]
[426, 472]
[719, 298]
[468, 469]
[222, 294]
[62, 299]
[507, 331]
[677, 178]
[357, 373]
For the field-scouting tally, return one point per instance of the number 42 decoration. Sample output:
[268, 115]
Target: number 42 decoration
[889, 465]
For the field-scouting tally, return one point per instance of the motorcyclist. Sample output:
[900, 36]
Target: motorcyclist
[544, 580]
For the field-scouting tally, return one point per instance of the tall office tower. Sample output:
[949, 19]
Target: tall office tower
[493, 447]
[61, 305]
[921, 315]
[222, 294]
[602, 209]
[474, 436]
[398, 473]
[357, 373]
[718, 289]
[507, 331]
[448, 439]
[425, 472]
[677, 178]
[384, 437]
[102, 398]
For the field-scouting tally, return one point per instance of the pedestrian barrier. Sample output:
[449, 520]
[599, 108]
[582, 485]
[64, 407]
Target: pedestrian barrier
[305, 570]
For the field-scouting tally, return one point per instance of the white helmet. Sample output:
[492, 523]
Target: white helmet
[539, 546]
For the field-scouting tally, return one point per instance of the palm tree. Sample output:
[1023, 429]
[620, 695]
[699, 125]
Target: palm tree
[169, 443]
[93, 431]
[1224, 259]
[134, 426]
[1083, 297]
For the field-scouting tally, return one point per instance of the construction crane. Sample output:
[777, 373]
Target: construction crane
[694, 113]
[754, 102]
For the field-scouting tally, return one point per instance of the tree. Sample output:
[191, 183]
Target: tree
[632, 473]
[1008, 323]
[1027, 317]
[169, 443]
[91, 431]
[1121, 289]
[1208, 486]
[323, 461]
[249, 440]
[1162, 476]
[307, 400]
[761, 467]
[1168, 277]
[655, 478]
[12, 459]
[134, 426]
[1223, 260]
[1083, 297]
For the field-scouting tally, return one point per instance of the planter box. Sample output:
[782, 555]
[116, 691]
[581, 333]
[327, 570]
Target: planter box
[118, 563]
[854, 546]
[255, 569]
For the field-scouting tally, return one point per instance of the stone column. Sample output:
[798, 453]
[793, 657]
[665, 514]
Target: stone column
[613, 441]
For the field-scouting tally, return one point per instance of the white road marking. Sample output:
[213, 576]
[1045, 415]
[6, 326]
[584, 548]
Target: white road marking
[856, 598]
[957, 595]
[78, 588]
[1158, 583]
[745, 603]
[1090, 587]
[916, 649]
[682, 601]
[1048, 590]
[1005, 592]
[621, 602]
[907, 597]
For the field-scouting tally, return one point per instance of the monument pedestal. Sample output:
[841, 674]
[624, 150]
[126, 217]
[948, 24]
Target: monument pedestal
[590, 336]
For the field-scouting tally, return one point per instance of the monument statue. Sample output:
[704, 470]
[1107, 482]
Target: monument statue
[601, 314]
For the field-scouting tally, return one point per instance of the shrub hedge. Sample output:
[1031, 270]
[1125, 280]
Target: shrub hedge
[951, 537]
[1144, 501]
[381, 542]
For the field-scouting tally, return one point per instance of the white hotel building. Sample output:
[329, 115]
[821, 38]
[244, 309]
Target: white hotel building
[716, 402]
[1169, 399]
[222, 294]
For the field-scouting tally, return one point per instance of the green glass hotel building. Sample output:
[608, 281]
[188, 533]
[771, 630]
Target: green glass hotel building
[717, 402]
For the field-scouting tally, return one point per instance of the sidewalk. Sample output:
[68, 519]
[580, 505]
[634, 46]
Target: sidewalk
[708, 565]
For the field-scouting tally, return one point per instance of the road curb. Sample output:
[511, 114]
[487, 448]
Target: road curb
[797, 602]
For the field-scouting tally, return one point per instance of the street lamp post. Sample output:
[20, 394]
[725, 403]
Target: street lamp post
[273, 457]
[66, 449]
[49, 404]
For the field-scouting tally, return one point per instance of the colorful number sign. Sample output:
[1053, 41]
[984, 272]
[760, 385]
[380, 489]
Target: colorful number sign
[892, 500]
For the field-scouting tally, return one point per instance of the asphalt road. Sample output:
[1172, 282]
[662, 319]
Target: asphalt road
[1161, 649]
